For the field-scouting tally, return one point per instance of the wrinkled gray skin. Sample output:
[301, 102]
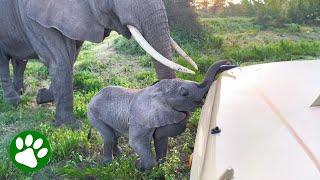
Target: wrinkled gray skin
[50, 30]
[159, 111]
[17, 89]
[44, 95]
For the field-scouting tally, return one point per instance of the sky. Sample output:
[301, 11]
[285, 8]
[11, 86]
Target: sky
[235, 1]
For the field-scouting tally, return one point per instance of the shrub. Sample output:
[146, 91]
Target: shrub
[304, 11]
[145, 78]
[145, 61]
[130, 46]
[81, 103]
[278, 12]
[90, 65]
[119, 81]
[194, 120]
[37, 69]
[293, 28]
[283, 50]
[84, 81]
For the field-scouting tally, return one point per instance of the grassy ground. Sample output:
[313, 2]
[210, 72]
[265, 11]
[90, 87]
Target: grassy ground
[120, 62]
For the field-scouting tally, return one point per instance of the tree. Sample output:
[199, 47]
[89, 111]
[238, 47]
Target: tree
[218, 6]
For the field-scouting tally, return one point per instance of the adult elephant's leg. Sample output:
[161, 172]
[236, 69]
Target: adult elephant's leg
[62, 90]
[58, 53]
[18, 74]
[140, 140]
[9, 93]
[46, 95]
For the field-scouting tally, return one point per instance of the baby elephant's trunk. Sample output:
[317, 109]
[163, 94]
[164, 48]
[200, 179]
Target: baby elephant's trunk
[213, 71]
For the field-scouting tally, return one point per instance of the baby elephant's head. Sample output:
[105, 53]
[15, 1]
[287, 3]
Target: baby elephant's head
[171, 101]
[186, 96]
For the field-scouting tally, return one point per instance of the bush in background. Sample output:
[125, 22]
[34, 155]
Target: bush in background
[275, 12]
[278, 12]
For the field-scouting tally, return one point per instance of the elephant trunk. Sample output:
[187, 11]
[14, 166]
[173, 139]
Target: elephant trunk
[156, 30]
[212, 72]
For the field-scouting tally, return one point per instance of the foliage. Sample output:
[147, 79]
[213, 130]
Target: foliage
[236, 9]
[85, 81]
[304, 11]
[283, 50]
[81, 101]
[275, 12]
[145, 61]
[130, 46]
[37, 70]
[285, 11]
[195, 117]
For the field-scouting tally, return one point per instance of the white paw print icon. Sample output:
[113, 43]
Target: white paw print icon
[28, 156]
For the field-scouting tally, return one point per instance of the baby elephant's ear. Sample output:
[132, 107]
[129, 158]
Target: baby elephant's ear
[73, 18]
[150, 110]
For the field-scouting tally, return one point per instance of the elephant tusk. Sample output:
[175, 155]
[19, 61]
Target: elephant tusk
[154, 53]
[181, 52]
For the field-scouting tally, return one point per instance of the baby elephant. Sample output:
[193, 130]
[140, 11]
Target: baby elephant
[156, 112]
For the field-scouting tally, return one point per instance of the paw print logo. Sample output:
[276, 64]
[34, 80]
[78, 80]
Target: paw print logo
[30, 151]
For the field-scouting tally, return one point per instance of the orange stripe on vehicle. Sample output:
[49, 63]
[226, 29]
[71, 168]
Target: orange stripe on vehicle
[289, 127]
[291, 130]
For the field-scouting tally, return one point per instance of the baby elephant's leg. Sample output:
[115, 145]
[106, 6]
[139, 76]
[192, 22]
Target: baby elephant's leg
[116, 149]
[140, 140]
[108, 136]
[161, 146]
[161, 135]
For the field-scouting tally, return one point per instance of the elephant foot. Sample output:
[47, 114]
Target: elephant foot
[142, 167]
[44, 96]
[72, 123]
[106, 160]
[12, 98]
[19, 88]
[161, 161]
[117, 151]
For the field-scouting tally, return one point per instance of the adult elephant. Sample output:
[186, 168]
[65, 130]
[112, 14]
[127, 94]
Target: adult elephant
[52, 30]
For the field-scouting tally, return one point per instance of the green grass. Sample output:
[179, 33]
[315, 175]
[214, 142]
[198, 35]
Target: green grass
[280, 51]
[125, 64]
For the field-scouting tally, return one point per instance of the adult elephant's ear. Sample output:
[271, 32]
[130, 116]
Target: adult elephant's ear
[150, 110]
[73, 18]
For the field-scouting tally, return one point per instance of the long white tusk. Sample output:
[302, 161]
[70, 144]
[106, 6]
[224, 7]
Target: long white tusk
[154, 53]
[181, 52]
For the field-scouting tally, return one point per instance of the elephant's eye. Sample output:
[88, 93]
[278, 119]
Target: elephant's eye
[184, 91]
